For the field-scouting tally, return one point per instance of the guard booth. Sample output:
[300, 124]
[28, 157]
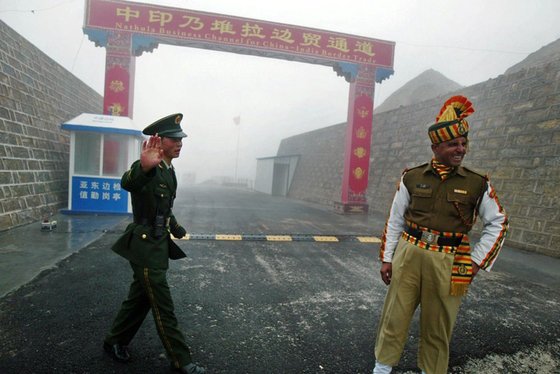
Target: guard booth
[102, 148]
[275, 174]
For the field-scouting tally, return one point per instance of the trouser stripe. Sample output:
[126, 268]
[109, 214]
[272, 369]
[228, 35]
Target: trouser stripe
[157, 316]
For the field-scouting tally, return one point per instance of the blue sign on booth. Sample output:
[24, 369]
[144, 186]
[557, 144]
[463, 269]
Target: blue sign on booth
[98, 194]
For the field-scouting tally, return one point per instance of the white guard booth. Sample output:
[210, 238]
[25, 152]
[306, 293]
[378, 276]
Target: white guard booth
[275, 174]
[102, 148]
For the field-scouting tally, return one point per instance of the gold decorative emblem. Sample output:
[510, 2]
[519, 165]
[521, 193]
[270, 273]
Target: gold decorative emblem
[360, 152]
[358, 173]
[361, 133]
[178, 119]
[116, 109]
[363, 112]
[462, 128]
[462, 269]
[116, 86]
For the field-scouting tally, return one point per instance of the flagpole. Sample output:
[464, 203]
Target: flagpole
[237, 121]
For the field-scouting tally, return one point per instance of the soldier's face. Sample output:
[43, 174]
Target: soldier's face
[451, 152]
[171, 147]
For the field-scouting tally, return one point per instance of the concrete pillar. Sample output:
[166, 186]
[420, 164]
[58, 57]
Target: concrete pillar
[358, 143]
[120, 64]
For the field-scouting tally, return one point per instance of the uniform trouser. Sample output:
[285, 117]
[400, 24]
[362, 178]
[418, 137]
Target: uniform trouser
[420, 277]
[149, 290]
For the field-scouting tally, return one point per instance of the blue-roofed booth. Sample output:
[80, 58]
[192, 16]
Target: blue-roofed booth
[102, 147]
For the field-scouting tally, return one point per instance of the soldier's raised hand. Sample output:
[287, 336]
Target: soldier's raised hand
[152, 154]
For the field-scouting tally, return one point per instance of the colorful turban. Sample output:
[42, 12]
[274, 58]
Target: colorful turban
[450, 122]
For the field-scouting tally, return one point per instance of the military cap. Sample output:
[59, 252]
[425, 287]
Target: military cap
[450, 122]
[169, 126]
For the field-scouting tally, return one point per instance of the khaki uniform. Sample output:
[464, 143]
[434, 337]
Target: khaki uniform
[421, 275]
[443, 205]
[152, 194]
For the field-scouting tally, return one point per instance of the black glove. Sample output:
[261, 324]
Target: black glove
[178, 231]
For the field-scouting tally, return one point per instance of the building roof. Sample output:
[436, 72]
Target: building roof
[102, 123]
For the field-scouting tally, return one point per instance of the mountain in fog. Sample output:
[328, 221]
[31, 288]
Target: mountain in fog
[426, 86]
[431, 83]
[546, 54]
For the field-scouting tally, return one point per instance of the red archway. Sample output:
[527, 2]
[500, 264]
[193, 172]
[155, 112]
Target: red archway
[128, 29]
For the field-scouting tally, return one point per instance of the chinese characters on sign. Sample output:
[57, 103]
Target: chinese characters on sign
[195, 26]
[98, 194]
[141, 27]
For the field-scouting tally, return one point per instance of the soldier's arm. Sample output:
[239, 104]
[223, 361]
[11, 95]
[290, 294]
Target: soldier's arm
[134, 179]
[395, 223]
[177, 230]
[495, 226]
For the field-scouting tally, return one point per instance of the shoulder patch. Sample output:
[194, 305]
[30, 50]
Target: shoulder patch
[415, 167]
[485, 176]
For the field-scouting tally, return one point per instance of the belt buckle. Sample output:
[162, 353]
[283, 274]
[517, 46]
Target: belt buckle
[429, 237]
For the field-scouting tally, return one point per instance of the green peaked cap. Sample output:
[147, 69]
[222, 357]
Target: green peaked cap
[169, 126]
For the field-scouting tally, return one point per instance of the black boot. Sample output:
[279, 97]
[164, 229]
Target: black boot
[191, 369]
[117, 352]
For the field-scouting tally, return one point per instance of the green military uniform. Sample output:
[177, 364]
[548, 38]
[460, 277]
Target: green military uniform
[152, 194]
[147, 245]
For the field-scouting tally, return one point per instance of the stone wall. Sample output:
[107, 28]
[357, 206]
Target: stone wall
[514, 138]
[36, 96]
[317, 177]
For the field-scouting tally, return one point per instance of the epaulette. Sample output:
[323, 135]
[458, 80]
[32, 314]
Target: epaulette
[415, 167]
[485, 176]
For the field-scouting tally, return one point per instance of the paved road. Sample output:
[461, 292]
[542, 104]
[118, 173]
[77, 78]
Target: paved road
[272, 307]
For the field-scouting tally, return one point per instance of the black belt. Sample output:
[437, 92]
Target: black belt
[430, 238]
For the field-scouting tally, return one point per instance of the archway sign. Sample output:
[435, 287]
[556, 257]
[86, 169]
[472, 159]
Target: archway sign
[127, 29]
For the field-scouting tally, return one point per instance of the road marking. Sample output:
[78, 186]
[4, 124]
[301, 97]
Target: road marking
[368, 239]
[325, 238]
[228, 237]
[279, 238]
[284, 238]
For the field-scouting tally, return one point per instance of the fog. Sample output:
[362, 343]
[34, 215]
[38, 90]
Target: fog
[468, 42]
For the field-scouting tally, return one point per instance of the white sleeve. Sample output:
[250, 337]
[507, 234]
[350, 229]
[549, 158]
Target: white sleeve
[395, 223]
[495, 226]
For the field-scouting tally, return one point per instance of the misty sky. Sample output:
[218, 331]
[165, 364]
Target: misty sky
[467, 41]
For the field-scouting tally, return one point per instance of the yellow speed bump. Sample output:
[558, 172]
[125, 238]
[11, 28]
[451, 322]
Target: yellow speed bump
[279, 238]
[368, 239]
[228, 237]
[333, 239]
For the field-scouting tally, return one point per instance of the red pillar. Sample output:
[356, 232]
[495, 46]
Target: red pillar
[358, 143]
[120, 66]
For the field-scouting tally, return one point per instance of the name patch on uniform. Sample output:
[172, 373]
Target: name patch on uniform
[462, 192]
[423, 186]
